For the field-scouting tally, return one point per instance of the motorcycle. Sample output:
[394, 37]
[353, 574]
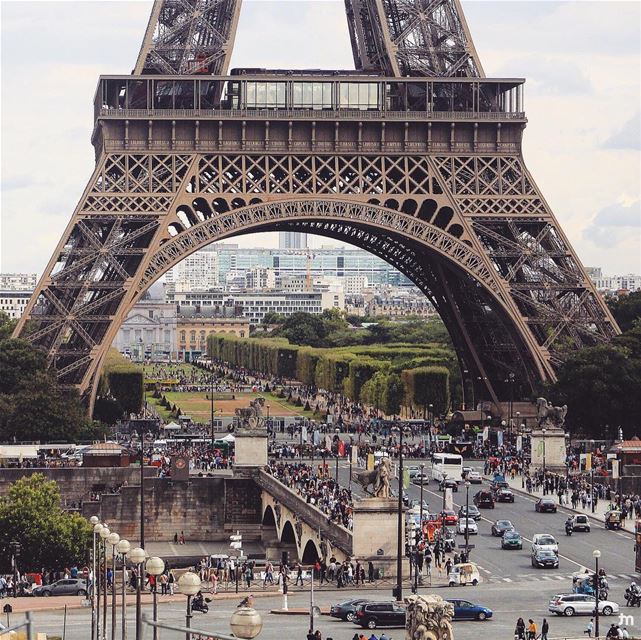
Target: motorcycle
[200, 605]
[632, 598]
[568, 529]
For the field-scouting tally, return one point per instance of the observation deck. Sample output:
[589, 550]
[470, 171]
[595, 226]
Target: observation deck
[252, 110]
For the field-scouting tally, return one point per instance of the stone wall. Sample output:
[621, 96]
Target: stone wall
[205, 509]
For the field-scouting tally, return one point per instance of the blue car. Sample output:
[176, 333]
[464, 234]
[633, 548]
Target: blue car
[465, 610]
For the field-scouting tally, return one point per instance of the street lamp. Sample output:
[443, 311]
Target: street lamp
[189, 584]
[137, 557]
[431, 408]
[212, 400]
[596, 554]
[246, 623]
[399, 522]
[543, 432]
[113, 540]
[104, 534]
[154, 567]
[123, 548]
[95, 596]
[467, 520]
[420, 517]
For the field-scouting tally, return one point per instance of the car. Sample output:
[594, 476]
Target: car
[465, 471]
[472, 511]
[468, 523]
[511, 540]
[380, 614]
[66, 587]
[465, 610]
[544, 541]
[501, 526]
[474, 477]
[413, 472]
[346, 610]
[448, 517]
[421, 478]
[504, 495]
[545, 504]
[581, 522]
[544, 559]
[448, 483]
[484, 499]
[496, 485]
[571, 604]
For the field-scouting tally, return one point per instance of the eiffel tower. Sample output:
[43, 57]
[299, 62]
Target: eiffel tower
[415, 156]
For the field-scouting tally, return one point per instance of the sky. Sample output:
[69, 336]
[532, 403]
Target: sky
[581, 61]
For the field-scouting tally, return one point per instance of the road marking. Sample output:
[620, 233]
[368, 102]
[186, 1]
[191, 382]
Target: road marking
[564, 578]
[546, 578]
[507, 580]
[622, 575]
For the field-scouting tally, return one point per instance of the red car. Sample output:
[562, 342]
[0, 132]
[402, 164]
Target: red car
[448, 516]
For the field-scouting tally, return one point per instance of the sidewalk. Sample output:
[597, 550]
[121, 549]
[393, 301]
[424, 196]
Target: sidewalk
[517, 484]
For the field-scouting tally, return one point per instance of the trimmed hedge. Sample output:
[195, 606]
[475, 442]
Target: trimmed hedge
[123, 380]
[427, 385]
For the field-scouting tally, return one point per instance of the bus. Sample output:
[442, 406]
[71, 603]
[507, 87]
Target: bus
[447, 464]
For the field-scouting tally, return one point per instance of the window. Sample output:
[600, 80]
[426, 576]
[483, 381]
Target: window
[151, 314]
[312, 95]
[265, 95]
[359, 95]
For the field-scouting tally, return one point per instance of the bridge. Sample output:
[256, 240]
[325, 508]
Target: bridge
[298, 526]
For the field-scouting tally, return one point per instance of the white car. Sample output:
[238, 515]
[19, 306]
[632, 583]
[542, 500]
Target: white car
[544, 541]
[471, 525]
[580, 604]
[421, 478]
[474, 477]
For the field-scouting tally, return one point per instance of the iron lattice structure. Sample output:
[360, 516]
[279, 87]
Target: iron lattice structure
[415, 157]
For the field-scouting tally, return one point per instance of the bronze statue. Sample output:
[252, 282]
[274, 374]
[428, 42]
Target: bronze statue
[379, 478]
[548, 416]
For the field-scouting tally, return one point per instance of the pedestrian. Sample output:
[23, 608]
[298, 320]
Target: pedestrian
[370, 572]
[545, 627]
[519, 631]
[310, 635]
[299, 574]
[589, 628]
[531, 629]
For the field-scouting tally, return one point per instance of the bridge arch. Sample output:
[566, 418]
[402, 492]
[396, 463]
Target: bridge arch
[310, 552]
[450, 269]
[287, 534]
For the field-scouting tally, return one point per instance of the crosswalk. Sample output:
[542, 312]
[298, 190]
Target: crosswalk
[540, 576]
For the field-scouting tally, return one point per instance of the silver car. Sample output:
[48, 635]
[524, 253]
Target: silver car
[66, 587]
[580, 604]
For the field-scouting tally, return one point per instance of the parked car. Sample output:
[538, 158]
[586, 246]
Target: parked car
[504, 495]
[511, 540]
[448, 483]
[544, 541]
[469, 524]
[580, 604]
[545, 504]
[484, 499]
[346, 610]
[501, 526]
[472, 512]
[66, 587]
[581, 522]
[474, 477]
[544, 559]
[465, 610]
[380, 614]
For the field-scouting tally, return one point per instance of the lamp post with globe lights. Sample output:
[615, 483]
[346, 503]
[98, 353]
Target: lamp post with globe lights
[123, 548]
[246, 623]
[189, 584]
[113, 540]
[596, 554]
[104, 534]
[95, 523]
[154, 567]
[137, 557]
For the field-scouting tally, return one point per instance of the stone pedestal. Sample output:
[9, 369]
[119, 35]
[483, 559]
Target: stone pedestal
[548, 446]
[375, 534]
[251, 448]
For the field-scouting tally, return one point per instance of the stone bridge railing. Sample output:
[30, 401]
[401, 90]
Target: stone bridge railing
[314, 518]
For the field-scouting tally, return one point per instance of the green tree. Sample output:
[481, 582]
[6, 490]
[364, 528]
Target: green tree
[373, 391]
[19, 362]
[393, 395]
[626, 309]
[7, 325]
[428, 385]
[50, 538]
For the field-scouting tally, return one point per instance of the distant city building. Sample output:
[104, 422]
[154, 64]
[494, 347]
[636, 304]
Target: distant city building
[149, 332]
[193, 330]
[13, 302]
[260, 278]
[253, 305]
[18, 281]
[197, 272]
[594, 273]
[391, 302]
[292, 240]
[617, 284]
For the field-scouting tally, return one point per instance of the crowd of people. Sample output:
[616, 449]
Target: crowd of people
[317, 488]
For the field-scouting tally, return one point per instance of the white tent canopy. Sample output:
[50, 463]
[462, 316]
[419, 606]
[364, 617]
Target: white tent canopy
[228, 438]
[172, 426]
[18, 451]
